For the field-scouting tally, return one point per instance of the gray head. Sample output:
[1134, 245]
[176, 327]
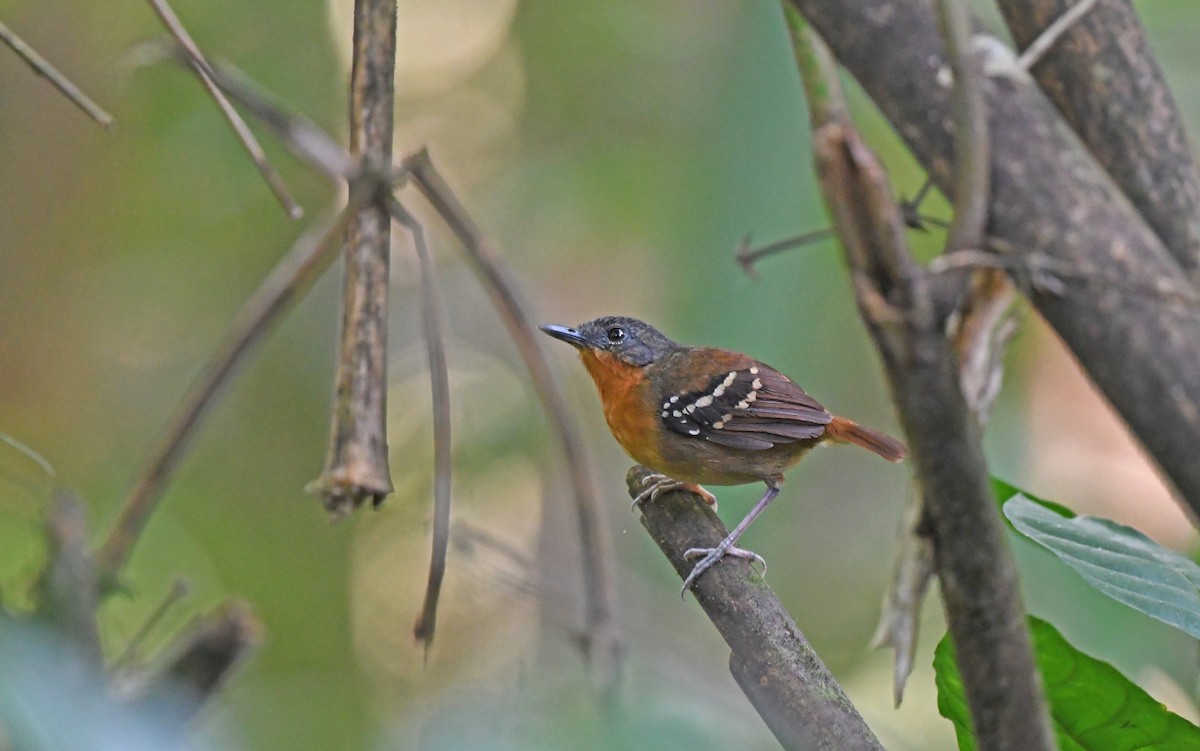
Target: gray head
[629, 340]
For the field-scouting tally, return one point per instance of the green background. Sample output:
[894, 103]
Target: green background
[617, 152]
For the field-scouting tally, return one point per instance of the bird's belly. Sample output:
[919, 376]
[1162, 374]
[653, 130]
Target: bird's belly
[711, 464]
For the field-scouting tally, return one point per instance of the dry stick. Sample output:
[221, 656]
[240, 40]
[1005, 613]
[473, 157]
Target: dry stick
[356, 467]
[746, 255]
[310, 143]
[433, 319]
[203, 71]
[299, 134]
[43, 68]
[773, 663]
[288, 281]
[602, 632]
[896, 299]
[1106, 83]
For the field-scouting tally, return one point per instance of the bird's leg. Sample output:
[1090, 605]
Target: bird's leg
[709, 556]
[656, 484]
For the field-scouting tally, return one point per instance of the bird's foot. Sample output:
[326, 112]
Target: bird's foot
[656, 484]
[709, 557]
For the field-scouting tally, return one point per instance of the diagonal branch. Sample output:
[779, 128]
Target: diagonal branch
[203, 70]
[1049, 199]
[601, 631]
[770, 659]
[43, 68]
[1102, 76]
[288, 281]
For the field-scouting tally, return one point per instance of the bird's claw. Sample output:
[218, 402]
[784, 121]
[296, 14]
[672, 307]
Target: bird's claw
[652, 486]
[709, 558]
[656, 484]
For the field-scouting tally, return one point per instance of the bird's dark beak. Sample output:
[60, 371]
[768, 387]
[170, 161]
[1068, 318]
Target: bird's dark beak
[568, 335]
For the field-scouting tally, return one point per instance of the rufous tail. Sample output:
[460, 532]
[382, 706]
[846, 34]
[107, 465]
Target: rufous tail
[847, 431]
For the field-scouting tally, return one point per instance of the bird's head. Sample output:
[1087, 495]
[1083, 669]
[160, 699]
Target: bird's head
[627, 340]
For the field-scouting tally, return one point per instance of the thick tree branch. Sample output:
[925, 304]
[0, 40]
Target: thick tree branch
[1103, 78]
[1051, 200]
[771, 660]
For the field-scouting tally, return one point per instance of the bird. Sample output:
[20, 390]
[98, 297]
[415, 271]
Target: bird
[705, 416]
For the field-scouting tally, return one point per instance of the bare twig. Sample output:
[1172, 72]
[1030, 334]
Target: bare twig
[356, 467]
[770, 659]
[203, 71]
[43, 68]
[299, 134]
[602, 634]
[433, 318]
[129, 654]
[972, 156]
[288, 281]
[1046, 40]
[747, 256]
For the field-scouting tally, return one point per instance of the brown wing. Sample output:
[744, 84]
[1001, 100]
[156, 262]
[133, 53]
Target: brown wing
[753, 407]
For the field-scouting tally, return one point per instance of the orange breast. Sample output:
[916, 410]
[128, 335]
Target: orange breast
[627, 408]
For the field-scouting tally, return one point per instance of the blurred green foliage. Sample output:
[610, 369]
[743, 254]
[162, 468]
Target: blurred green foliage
[617, 151]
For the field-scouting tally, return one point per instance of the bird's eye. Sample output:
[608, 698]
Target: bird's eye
[616, 334]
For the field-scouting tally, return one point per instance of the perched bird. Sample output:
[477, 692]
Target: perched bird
[705, 415]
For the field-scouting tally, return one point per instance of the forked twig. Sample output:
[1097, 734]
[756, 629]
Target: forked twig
[433, 319]
[204, 72]
[287, 282]
[43, 68]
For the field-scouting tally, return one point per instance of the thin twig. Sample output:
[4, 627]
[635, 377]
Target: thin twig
[601, 631]
[747, 256]
[910, 209]
[433, 319]
[972, 155]
[288, 281]
[1046, 40]
[43, 68]
[178, 591]
[356, 464]
[299, 134]
[204, 72]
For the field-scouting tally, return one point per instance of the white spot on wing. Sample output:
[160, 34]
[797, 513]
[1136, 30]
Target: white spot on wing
[703, 401]
[694, 432]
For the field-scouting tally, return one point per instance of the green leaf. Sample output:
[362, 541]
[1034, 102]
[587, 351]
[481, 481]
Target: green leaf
[1117, 560]
[1004, 491]
[1092, 706]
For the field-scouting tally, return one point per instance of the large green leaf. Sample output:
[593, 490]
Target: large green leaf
[1093, 707]
[1117, 560]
